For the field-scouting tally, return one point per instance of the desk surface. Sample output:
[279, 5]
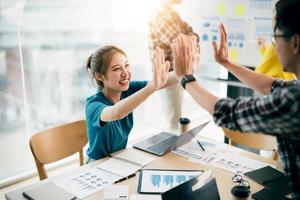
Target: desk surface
[169, 161]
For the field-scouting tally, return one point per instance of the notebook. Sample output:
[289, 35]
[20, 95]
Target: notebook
[266, 194]
[280, 186]
[48, 191]
[274, 180]
[165, 142]
[126, 163]
[264, 175]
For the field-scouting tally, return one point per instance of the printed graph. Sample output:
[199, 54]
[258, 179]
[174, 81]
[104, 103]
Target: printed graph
[163, 180]
[169, 180]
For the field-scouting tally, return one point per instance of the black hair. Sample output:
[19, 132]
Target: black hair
[288, 16]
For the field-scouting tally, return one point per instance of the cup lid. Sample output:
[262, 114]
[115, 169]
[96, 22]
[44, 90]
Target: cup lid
[184, 120]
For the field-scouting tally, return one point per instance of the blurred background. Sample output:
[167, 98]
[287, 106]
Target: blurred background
[44, 45]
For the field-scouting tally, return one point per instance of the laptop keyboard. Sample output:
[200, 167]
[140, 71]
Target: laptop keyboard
[163, 146]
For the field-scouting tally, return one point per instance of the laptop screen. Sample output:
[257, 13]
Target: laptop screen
[188, 136]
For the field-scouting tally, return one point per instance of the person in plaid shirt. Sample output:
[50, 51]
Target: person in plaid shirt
[164, 26]
[278, 112]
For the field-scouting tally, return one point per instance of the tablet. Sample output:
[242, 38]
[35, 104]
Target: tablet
[201, 187]
[157, 181]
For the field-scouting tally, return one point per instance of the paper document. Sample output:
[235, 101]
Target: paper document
[212, 148]
[119, 167]
[237, 163]
[116, 192]
[136, 156]
[86, 181]
[219, 155]
[92, 178]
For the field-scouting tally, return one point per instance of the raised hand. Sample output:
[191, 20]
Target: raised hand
[160, 69]
[186, 55]
[221, 52]
[261, 42]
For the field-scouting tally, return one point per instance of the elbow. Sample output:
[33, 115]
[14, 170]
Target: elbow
[264, 89]
[118, 115]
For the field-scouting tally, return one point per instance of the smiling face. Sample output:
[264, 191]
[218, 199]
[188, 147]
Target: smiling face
[118, 74]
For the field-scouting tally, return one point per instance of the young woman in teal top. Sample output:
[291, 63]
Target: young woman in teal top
[109, 112]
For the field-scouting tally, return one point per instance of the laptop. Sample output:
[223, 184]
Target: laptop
[165, 142]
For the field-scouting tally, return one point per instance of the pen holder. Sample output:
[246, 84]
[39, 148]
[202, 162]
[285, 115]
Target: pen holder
[184, 124]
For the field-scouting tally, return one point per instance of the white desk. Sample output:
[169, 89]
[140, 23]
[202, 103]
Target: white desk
[168, 161]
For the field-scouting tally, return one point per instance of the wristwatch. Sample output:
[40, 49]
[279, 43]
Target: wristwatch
[186, 79]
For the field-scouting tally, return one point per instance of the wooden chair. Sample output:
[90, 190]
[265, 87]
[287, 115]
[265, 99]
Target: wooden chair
[256, 141]
[57, 143]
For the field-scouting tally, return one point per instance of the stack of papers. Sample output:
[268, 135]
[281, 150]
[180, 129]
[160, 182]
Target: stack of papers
[92, 178]
[219, 155]
[86, 181]
[212, 149]
[116, 192]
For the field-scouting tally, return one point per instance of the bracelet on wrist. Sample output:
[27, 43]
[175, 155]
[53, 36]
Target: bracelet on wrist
[186, 79]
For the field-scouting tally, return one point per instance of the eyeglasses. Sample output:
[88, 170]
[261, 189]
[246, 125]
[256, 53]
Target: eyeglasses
[274, 36]
[239, 179]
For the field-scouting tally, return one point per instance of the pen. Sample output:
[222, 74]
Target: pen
[27, 196]
[200, 145]
[122, 179]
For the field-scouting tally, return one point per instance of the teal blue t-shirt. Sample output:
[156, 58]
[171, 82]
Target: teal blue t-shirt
[107, 137]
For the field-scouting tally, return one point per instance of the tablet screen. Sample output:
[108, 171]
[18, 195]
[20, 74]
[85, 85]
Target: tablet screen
[155, 181]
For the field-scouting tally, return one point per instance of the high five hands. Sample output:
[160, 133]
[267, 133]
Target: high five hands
[160, 70]
[186, 54]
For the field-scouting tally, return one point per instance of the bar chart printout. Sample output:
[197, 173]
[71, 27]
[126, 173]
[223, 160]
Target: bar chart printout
[158, 181]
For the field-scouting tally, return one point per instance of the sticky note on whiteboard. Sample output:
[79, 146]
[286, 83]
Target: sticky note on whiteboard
[239, 10]
[221, 9]
[233, 54]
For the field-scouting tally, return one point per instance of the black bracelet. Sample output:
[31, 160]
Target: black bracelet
[186, 79]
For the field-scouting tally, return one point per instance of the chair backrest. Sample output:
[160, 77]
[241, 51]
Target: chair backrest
[257, 141]
[57, 143]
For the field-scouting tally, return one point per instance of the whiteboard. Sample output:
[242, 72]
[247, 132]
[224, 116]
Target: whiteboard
[245, 20]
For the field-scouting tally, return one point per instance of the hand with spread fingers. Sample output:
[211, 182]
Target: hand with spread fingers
[221, 51]
[186, 53]
[261, 42]
[160, 70]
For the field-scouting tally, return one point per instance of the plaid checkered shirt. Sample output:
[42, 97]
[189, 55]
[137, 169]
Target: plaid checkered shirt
[276, 114]
[164, 26]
